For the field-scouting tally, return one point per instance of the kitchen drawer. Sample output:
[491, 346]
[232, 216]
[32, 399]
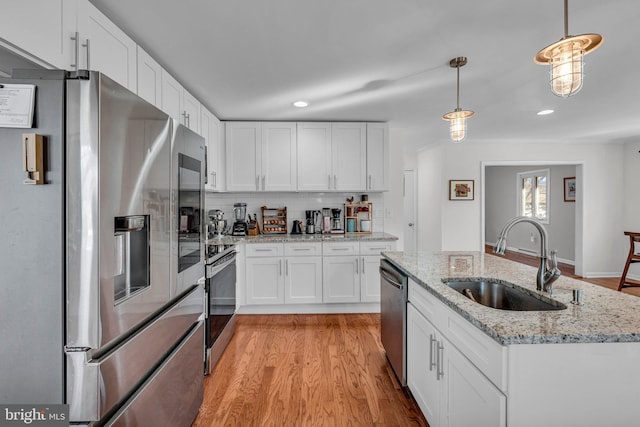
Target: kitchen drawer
[486, 354]
[303, 249]
[265, 249]
[375, 248]
[340, 248]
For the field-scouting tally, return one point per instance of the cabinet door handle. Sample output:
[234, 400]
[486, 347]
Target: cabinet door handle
[370, 188]
[440, 358]
[263, 182]
[76, 39]
[262, 250]
[280, 263]
[357, 267]
[88, 46]
[329, 181]
[286, 267]
[257, 183]
[189, 120]
[301, 249]
[339, 249]
[335, 182]
[432, 364]
[362, 265]
[215, 179]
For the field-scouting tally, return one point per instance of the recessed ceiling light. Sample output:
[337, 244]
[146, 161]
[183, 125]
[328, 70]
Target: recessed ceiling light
[300, 104]
[544, 112]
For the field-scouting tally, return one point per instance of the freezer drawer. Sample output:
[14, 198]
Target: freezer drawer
[173, 394]
[94, 387]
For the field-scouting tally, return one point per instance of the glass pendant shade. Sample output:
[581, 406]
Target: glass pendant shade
[458, 123]
[567, 68]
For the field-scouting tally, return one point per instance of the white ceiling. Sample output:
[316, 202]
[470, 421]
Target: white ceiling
[382, 60]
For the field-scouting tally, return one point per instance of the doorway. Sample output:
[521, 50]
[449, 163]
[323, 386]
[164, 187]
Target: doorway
[500, 197]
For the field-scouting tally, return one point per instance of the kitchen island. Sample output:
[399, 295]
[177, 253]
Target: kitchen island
[579, 366]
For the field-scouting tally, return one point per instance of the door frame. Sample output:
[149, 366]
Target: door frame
[414, 196]
[579, 215]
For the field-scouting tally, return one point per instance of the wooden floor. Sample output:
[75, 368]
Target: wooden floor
[306, 370]
[568, 270]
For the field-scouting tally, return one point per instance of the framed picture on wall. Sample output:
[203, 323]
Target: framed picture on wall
[570, 189]
[460, 189]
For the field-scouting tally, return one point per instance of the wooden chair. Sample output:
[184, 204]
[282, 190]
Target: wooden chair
[633, 257]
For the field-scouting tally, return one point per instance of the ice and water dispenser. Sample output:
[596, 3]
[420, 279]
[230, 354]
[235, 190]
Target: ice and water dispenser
[132, 257]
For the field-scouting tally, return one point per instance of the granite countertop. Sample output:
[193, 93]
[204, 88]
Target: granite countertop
[289, 238]
[606, 316]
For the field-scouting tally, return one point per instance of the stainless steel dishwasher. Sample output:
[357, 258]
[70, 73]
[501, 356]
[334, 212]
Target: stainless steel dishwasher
[393, 318]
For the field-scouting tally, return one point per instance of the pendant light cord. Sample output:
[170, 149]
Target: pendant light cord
[566, 18]
[458, 87]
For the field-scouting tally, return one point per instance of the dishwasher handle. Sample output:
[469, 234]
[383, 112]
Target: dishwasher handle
[390, 279]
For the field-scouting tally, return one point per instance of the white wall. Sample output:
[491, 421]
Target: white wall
[501, 198]
[430, 183]
[461, 222]
[631, 220]
[393, 199]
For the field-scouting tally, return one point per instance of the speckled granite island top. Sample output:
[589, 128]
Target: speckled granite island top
[292, 238]
[606, 316]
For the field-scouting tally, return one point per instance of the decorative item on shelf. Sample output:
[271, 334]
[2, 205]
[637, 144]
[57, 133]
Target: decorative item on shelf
[458, 117]
[461, 189]
[274, 220]
[358, 217]
[565, 58]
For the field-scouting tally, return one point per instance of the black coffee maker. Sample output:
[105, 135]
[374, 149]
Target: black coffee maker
[311, 225]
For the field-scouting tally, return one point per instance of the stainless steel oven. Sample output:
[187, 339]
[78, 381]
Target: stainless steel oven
[220, 301]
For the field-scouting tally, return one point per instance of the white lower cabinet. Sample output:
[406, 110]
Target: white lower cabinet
[341, 279]
[303, 273]
[449, 389]
[314, 272]
[265, 273]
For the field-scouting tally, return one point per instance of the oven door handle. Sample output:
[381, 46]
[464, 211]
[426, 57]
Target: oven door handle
[221, 264]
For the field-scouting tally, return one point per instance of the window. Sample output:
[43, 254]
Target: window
[533, 200]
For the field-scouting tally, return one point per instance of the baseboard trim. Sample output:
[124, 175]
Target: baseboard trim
[373, 307]
[532, 253]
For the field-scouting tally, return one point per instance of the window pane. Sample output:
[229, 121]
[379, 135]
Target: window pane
[527, 196]
[541, 197]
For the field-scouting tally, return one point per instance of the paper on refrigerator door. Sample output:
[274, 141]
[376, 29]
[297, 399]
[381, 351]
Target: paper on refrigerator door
[16, 105]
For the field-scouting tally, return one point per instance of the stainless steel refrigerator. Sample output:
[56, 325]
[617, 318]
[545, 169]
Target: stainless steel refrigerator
[100, 301]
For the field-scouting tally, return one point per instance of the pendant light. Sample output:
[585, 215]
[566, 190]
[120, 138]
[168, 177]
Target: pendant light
[458, 117]
[565, 58]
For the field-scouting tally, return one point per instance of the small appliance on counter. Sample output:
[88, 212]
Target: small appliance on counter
[297, 227]
[336, 221]
[311, 224]
[217, 225]
[326, 220]
[240, 225]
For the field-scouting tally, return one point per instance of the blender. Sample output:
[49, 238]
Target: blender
[240, 226]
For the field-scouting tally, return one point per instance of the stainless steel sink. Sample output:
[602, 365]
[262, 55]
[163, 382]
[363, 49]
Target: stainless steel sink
[504, 296]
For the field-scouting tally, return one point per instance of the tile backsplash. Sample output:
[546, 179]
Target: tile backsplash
[296, 204]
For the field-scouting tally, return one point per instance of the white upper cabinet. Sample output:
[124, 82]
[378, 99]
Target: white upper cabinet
[377, 157]
[70, 35]
[149, 78]
[106, 48]
[191, 113]
[278, 163]
[244, 154]
[42, 29]
[314, 156]
[172, 96]
[212, 130]
[348, 153]
[261, 156]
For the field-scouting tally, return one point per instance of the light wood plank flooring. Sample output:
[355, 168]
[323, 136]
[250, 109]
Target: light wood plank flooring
[306, 370]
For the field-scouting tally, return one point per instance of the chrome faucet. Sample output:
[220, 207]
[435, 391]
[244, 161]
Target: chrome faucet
[546, 276]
